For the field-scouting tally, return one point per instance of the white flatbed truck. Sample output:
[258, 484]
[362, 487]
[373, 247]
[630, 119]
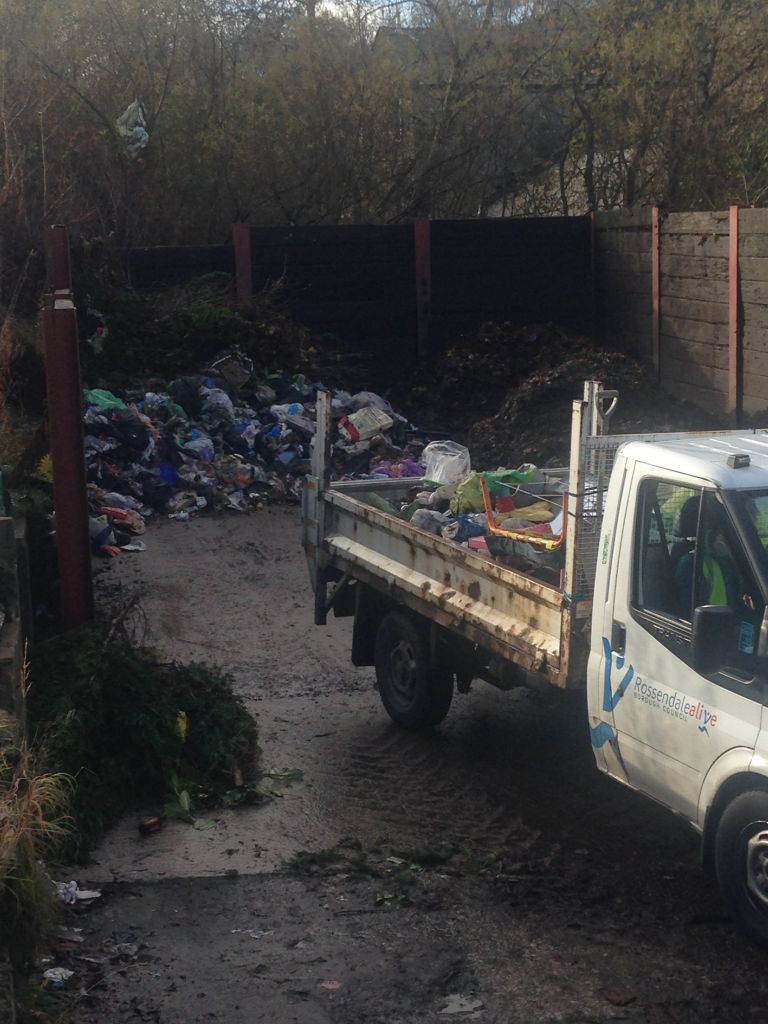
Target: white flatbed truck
[658, 608]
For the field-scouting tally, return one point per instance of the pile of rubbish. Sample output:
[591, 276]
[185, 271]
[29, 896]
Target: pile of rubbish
[224, 440]
[231, 438]
[514, 516]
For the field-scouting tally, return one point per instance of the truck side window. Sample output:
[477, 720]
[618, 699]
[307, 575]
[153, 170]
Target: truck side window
[668, 522]
[722, 573]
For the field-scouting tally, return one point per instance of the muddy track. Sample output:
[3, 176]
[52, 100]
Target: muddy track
[570, 899]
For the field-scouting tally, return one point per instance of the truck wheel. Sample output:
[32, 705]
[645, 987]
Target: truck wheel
[741, 862]
[415, 693]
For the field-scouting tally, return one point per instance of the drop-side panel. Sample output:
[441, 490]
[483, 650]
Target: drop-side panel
[503, 611]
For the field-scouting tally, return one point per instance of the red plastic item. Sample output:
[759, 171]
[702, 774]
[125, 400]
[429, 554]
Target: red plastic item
[505, 504]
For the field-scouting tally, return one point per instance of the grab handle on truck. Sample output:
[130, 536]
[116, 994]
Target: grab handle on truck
[604, 404]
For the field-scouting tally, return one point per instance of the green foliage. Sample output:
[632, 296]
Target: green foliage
[33, 822]
[181, 330]
[203, 329]
[170, 343]
[131, 729]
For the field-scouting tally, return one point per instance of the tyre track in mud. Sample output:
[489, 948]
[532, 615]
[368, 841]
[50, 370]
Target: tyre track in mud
[406, 790]
[505, 771]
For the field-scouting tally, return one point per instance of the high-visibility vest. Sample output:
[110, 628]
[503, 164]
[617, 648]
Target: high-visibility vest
[713, 574]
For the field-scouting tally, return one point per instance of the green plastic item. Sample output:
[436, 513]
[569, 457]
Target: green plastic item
[380, 503]
[500, 479]
[468, 496]
[406, 514]
[176, 411]
[104, 399]
[469, 493]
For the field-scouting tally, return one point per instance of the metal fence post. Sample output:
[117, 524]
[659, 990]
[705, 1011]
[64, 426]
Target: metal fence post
[65, 429]
[656, 289]
[735, 382]
[58, 266]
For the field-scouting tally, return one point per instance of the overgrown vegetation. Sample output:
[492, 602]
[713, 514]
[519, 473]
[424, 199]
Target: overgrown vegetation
[180, 330]
[34, 822]
[130, 728]
[291, 112]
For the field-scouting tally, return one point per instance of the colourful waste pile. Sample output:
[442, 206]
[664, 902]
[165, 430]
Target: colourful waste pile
[515, 516]
[224, 440]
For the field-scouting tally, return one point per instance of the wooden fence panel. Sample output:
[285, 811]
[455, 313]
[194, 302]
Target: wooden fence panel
[360, 280]
[623, 281]
[712, 300]
[166, 266]
[522, 269]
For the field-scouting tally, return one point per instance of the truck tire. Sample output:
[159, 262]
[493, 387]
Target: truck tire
[741, 862]
[415, 693]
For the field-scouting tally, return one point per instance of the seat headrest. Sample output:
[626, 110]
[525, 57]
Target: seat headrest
[687, 519]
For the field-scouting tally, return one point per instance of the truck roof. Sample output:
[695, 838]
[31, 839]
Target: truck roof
[706, 456]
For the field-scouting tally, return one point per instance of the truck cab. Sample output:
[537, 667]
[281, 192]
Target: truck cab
[678, 663]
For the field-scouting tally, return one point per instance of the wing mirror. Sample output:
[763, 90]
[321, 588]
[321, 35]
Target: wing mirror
[714, 640]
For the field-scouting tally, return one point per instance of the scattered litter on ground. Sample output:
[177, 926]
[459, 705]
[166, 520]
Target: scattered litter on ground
[285, 775]
[119, 950]
[70, 892]
[456, 1005]
[150, 826]
[134, 731]
[56, 978]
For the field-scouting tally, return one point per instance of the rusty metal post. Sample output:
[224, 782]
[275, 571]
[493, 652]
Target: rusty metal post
[241, 242]
[58, 267]
[423, 260]
[65, 428]
[735, 384]
[656, 289]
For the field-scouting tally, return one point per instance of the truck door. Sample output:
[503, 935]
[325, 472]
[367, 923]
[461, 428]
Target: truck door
[679, 551]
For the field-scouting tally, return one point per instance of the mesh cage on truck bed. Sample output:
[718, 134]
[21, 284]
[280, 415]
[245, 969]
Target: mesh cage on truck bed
[598, 455]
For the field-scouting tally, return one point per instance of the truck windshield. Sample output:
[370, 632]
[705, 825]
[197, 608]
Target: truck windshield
[751, 510]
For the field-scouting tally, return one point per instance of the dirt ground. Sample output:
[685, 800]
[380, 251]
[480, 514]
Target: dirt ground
[563, 897]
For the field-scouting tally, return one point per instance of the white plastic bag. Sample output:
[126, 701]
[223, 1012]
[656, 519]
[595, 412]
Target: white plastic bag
[446, 462]
[364, 399]
[132, 128]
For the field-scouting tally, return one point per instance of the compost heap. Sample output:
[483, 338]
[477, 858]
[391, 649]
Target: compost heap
[506, 389]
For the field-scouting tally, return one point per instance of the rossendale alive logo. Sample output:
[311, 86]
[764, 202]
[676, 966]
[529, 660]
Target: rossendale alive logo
[675, 704]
